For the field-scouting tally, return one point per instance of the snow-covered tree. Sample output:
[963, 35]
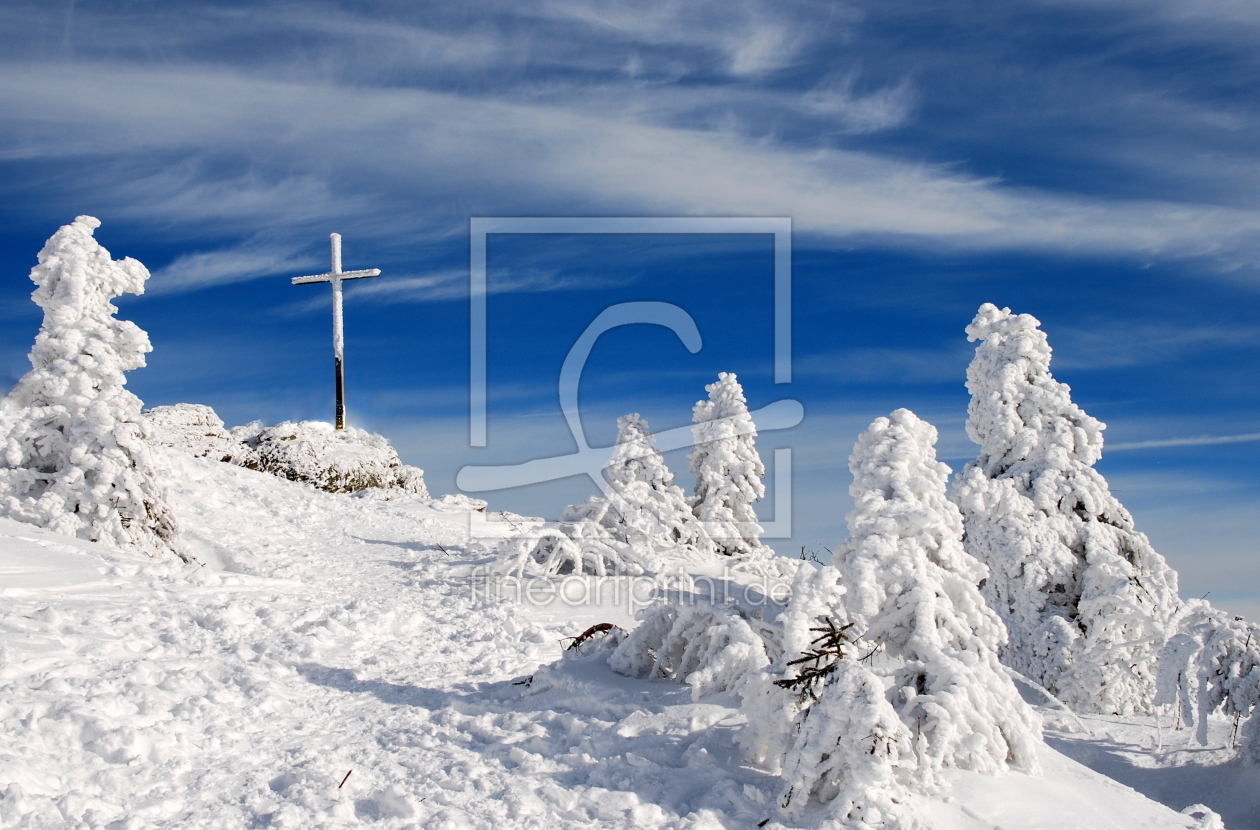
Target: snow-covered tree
[911, 591]
[645, 502]
[727, 467]
[820, 718]
[644, 523]
[1212, 664]
[1086, 600]
[75, 457]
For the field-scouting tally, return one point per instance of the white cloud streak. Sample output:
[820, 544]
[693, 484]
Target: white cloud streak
[452, 284]
[1184, 442]
[252, 260]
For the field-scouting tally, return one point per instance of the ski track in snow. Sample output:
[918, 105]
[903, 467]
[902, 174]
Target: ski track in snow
[329, 633]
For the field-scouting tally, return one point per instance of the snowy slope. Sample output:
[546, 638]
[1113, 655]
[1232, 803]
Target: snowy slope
[328, 633]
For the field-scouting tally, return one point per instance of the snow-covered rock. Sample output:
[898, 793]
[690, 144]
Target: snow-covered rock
[339, 461]
[197, 430]
[73, 451]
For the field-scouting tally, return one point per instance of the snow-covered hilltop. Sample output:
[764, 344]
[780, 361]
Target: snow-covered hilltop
[278, 627]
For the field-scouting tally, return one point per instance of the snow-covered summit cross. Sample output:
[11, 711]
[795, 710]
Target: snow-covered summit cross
[335, 276]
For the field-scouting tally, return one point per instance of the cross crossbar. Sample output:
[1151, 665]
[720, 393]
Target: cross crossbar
[342, 275]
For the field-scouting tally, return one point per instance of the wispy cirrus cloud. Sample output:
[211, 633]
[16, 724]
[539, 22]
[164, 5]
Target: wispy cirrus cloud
[1196, 441]
[452, 284]
[608, 107]
[411, 141]
[252, 260]
[1117, 345]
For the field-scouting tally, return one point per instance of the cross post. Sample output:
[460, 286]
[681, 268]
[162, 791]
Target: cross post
[335, 276]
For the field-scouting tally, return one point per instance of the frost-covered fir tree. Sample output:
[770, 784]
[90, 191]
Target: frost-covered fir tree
[1086, 601]
[75, 457]
[911, 591]
[727, 467]
[646, 503]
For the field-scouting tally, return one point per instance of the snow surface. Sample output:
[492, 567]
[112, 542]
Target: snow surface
[329, 633]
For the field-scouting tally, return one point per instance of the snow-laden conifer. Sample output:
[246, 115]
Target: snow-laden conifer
[1085, 599]
[644, 523]
[75, 457]
[728, 470]
[647, 507]
[911, 592]
[821, 719]
[770, 708]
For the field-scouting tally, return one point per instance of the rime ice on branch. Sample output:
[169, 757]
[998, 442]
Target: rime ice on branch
[75, 458]
[1086, 601]
[1212, 665]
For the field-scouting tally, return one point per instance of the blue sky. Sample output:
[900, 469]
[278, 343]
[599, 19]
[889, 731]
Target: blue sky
[1092, 163]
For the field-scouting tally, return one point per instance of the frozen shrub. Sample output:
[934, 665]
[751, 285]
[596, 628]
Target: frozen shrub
[1212, 664]
[1204, 816]
[74, 456]
[575, 547]
[769, 706]
[339, 461]
[1086, 600]
[196, 429]
[728, 469]
[644, 523]
[846, 752]
[1249, 738]
[712, 648]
